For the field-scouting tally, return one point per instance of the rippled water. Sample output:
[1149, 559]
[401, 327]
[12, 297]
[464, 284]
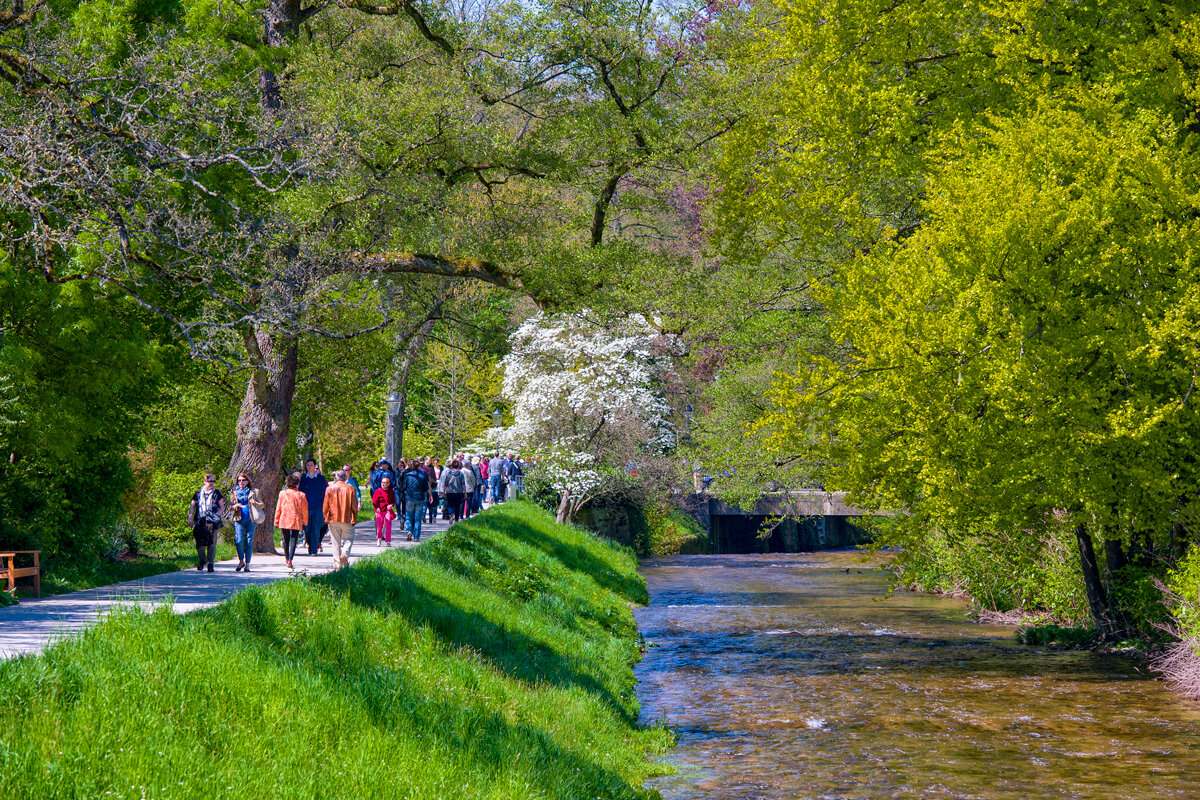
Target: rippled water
[787, 677]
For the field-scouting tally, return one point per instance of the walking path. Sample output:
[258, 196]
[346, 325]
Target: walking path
[33, 624]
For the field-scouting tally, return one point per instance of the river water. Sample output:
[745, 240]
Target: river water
[787, 676]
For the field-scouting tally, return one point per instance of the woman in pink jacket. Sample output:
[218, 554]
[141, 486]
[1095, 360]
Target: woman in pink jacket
[384, 501]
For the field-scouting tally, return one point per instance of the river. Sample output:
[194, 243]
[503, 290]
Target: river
[796, 676]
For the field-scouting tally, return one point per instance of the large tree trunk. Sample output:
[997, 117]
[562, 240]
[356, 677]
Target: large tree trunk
[1102, 613]
[262, 428]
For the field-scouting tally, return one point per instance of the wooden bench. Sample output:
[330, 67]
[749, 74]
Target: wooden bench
[10, 571]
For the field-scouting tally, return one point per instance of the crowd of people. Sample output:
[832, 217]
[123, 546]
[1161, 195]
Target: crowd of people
[414, 491]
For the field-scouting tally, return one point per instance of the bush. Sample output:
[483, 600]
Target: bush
[1184, 583]
[671, 532]
[539, 491]
[164, 504]
[997, 571]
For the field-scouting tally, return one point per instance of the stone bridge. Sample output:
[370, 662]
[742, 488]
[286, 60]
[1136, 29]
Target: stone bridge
[792, 522]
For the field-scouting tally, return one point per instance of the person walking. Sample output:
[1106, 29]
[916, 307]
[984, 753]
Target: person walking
[380, 470]
[353, 481]
[480, 484]
[314, 484]
[435, 487]
[483, 473]
[517, 478]
[208, 505]
[414, 484]
[291, 516]
[340, 509]
[452, 484]
[494, 470]
[384, 503]
[401, 466]
[246, 501]
[468, 475]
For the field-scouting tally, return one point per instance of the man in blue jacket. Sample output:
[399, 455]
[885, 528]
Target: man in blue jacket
[313, 485]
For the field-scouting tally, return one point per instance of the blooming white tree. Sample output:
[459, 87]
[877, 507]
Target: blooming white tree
[587, 400]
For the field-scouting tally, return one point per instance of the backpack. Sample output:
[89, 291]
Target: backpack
[454, 482]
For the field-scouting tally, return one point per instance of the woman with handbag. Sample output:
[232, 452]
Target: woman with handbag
[247, 513]
[384, 502]
[208, 504]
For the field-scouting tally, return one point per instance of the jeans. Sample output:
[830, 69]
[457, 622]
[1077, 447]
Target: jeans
[243, 538]
[494, 484]
[414, 511]
[312, 531]
[291, 538]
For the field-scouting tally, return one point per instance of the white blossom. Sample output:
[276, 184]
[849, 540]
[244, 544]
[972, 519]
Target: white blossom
[581, 393]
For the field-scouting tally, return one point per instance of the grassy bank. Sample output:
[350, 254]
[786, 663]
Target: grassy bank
[493, 661]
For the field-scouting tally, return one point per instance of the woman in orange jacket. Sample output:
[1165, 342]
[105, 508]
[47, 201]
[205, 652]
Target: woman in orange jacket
[291, 515]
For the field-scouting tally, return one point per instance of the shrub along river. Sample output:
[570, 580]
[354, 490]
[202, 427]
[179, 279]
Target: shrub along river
[787, 676]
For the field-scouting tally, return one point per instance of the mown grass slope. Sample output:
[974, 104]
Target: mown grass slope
[493, 661]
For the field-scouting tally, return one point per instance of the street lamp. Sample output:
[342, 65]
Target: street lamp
[497, 418]
[392, 445]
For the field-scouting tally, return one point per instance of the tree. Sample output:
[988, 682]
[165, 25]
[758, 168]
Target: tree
[1009, 290]
[241, 223]
[587, 400]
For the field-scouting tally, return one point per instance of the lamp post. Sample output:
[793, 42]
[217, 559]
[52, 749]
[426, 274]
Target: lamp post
[395, 429]
[497, 418]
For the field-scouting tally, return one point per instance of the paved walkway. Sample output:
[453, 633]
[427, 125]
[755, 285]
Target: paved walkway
[31, 625]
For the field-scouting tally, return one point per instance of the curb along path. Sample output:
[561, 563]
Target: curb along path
[33, 624]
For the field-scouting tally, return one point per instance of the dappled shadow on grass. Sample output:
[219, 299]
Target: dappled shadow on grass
[518, 655]
[573, 557]
[477, 735]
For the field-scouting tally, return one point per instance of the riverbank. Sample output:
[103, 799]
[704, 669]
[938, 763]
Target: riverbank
[495, 661]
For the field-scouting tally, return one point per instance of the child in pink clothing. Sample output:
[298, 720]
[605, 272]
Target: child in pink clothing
[384, 501]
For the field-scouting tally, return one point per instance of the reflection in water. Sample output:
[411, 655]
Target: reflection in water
[787, 677]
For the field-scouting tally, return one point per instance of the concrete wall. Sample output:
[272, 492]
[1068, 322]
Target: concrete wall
[612, 523]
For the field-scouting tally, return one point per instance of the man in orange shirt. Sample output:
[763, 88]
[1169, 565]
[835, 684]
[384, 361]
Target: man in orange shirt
[341, 512]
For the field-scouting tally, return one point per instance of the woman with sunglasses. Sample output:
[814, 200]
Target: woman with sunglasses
[208, 504]
[245, 496]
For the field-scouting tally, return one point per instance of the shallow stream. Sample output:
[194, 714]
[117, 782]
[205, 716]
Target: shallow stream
[795, 676]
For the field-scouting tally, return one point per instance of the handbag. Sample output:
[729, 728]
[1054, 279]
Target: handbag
[257, 515]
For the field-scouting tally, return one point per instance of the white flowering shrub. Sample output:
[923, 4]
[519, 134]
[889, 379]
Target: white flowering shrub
[587, 400]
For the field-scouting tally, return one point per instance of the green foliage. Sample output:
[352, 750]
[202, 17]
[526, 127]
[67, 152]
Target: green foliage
[79, 370]
[162, 505]
[1184, 582]
[996, 206]
[1135, 592]
[1056, 634]
[671, 532]
[999, 573]
[539, 490]
[494, 661]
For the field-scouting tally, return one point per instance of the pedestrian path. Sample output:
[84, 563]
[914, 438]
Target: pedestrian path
[34, 623]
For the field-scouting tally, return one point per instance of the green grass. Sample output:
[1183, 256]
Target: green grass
[494, 661]
[71, 577]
